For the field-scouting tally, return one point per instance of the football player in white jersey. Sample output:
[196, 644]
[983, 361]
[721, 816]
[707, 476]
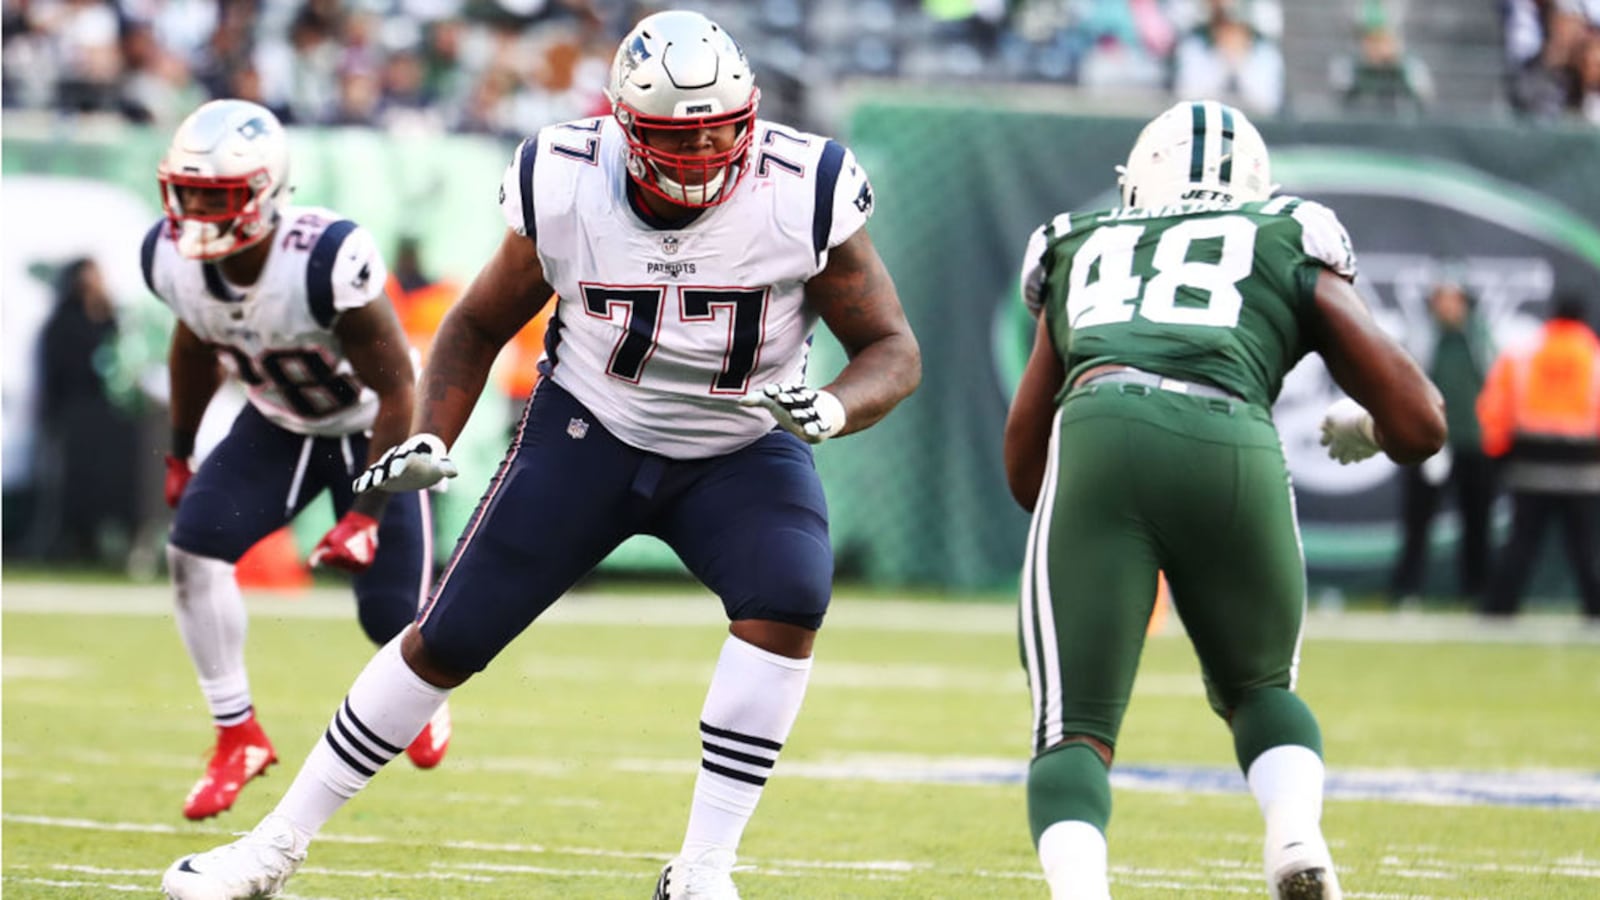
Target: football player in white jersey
[692, 249]
[290, 300]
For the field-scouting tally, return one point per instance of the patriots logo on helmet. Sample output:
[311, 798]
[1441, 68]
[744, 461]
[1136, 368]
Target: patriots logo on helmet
[637, 53]
[253, 129]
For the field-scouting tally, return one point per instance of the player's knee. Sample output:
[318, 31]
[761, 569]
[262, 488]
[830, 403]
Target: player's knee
[382, 619]
[428, 664]
[794, 585]
[1100, 747]
[196, 575]
[782, 638]
[209, 523]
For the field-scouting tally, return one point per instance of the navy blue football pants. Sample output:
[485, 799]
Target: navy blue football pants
[752, 525]
[260, 476]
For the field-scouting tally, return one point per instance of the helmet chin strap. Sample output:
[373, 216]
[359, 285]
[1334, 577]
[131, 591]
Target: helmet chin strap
[205, 240]
[680, 192]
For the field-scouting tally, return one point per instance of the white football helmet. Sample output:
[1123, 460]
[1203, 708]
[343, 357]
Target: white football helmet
[224, 177]
[678, 71]
[1196, 151]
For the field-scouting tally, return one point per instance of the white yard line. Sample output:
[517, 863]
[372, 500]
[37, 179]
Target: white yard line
[1222, 876]
[685, 607]
[1219, 877]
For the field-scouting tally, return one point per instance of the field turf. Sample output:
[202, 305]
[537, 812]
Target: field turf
[1464, 759]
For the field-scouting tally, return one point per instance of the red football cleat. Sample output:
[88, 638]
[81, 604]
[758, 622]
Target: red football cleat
[242, 753]
[428, 749]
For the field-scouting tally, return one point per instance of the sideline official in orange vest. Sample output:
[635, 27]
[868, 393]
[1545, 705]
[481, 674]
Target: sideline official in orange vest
[1540, 412]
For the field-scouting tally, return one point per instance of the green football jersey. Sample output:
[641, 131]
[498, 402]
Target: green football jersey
[1206, 291]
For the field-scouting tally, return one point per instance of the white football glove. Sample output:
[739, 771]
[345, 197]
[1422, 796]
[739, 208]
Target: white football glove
[1347, 432]
[811, 415]
[412, 465]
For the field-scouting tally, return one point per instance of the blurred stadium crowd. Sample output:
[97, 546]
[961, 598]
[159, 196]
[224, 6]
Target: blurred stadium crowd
[505, 68]
[508, 67]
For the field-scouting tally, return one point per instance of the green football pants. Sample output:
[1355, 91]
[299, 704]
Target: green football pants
[1141, 481]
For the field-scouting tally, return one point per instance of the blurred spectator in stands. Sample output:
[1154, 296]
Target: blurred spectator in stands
[445, 77]
[87, 449]
[1545, 87]
[565, 81]
[1587, 103]
[1540, 412]
[84, 38]
[487, 107]
[226, 49]
[1229, 59]
[1124, 43]
[27, 63]
[973, 22]
[1522, 24]
[300, 75]
[360, 95]
[406, 105]
[1457, 356]
[1380, 77]
[156, 88]
[245, 84]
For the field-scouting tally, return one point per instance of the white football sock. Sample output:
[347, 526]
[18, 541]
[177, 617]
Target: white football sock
[384, 711]
[212, 622]
[1074, 858]
[1287, 784]
[753, 701]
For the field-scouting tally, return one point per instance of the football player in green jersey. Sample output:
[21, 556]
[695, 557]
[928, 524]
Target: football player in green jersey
[1141, 438]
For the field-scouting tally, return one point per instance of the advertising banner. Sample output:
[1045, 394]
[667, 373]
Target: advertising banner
[1513, 211]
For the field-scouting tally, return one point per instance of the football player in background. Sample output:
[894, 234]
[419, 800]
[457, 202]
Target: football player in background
[1141, 438]
[693, 248]
[290, 301]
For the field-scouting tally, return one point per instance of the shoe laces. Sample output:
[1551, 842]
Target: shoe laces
[710, 874]
[265, 857]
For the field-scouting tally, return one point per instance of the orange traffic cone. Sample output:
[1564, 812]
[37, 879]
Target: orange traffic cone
[1163, 606]
[274, 564]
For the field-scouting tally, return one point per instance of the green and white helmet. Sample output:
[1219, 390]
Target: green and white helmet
[1199, 150]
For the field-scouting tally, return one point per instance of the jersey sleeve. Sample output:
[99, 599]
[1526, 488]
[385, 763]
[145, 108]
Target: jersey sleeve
[849, 206]
[345, 271]
[151, 259]
[516, 190]
[359, 273]
[1323, 238]
[1032, 277]
[1034, 269]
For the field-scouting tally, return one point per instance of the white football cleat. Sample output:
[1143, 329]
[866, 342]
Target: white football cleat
[1302, 870]
[708, 876]
[254, 866]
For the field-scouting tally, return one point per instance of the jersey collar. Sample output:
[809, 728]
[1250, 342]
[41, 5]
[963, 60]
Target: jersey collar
[659, 223]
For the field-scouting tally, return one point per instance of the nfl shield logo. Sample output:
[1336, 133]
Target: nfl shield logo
[577, 428]
[669, 244]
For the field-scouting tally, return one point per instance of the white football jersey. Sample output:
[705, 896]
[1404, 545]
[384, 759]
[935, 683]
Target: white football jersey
[660, 330]
[276, 336]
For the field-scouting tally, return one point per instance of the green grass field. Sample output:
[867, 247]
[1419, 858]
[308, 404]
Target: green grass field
[1464, 760]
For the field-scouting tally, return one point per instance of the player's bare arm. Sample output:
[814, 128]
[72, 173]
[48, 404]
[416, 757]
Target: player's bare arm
[1407, 410]
[195, 375]
[1027, 435]
[857, 300]
[378, 351]
[508, 291]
